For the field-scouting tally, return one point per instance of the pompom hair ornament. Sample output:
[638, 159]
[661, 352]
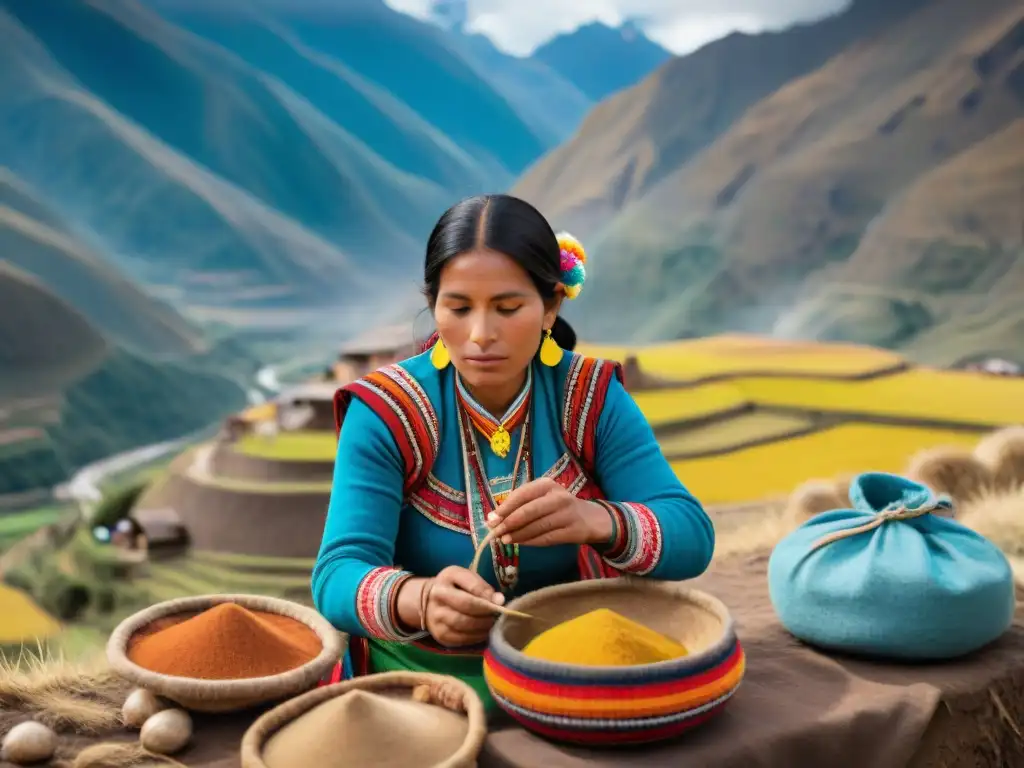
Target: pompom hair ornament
[573, 259]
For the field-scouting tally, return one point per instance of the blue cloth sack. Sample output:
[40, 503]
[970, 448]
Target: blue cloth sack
[889, 578]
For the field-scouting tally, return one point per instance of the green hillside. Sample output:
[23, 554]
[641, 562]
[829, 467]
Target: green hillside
[875, 198]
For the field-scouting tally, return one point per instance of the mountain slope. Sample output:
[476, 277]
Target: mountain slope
[164, 219]
[68, 396]
[549, 104]
[44, 343]
[638, 136]
[40, 246]
[415, 62]
[368, 113]
[949, 252]
[729, 240]
[601, 60]
[209, 106]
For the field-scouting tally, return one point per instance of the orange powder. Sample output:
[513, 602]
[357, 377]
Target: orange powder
[226, 642]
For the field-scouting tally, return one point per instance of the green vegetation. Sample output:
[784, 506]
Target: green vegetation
[255, 562]
[125, 403]
[290, 446]
[117, 504]
[15, 526]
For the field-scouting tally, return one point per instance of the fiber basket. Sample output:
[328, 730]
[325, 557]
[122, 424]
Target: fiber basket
[388, 719]
[224, 695]
[616, 705]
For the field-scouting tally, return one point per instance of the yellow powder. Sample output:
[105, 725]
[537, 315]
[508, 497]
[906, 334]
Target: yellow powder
[603, 638]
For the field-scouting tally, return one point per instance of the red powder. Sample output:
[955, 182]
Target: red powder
[226, 642]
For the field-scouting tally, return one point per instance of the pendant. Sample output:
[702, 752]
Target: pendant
[501, 442]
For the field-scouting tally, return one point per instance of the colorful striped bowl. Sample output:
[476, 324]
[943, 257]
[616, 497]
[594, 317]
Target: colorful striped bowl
[598, 706]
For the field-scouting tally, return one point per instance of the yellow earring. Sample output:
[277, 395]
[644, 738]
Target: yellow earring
[439, 356]
[550, 352]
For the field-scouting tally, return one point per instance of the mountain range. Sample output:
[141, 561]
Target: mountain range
[175, 174]
[180, 180]
[859, 178]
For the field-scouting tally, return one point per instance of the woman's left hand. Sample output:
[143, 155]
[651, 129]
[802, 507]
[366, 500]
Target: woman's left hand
[543, 514]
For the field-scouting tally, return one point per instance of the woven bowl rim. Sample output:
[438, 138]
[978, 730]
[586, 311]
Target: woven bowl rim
[264, 688]
[503, 651]
[257, 735]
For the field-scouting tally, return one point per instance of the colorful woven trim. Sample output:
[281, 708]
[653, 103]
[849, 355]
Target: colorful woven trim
[442, 504]
[638, 544]
[485, 423]
[401, 403]
[586, 386]
[375, 604]
[657, 704]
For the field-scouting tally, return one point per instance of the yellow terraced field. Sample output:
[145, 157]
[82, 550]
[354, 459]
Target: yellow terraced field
[774, 469]
[732, 433]
[289, 446]
[919, 393]
[668, 406]
[725, 355]
[262, 412]
[21, 620]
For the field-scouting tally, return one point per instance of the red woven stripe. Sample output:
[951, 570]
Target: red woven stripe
[629, 690]
[624, 736]
[407, 438]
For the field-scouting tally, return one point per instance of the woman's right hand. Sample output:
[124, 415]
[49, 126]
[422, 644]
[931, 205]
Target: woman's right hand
[455, 608]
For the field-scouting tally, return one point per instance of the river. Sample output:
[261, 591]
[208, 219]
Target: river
[85, 486]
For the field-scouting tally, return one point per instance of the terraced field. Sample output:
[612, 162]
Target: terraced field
[740, 419]
[23, 622]
[288, 446]
[200, 573]
[14, 526]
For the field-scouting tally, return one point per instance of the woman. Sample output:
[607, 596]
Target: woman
[495, 427]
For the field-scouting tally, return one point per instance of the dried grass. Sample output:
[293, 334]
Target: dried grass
[812, 498]
[999, 517]
[85, 698]
[120, 755]
[754, 535]
[951, 470]
[1002, 452]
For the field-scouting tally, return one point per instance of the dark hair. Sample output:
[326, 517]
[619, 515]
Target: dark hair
[507, 225]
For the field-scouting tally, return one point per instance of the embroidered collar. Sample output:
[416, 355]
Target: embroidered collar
[497, 431]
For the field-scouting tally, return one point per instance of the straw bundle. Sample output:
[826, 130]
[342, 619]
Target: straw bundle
[952, 471]
[1002, 452]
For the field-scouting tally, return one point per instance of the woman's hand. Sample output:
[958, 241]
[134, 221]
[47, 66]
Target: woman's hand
[454, 605]
[543, 514]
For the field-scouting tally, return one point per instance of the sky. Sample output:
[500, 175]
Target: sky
[681, 26]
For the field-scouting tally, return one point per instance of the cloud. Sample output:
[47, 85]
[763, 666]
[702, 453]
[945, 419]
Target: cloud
[519, 26]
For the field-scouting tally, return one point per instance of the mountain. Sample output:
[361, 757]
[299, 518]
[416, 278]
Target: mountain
[35, 240]
[849, 203]
[158, 215]
[949, 252]
[634, 139]
[68, 396]
[601, 60]
[552, 106]
[45, 343]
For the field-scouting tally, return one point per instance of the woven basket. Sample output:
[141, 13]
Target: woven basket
[625, 704]
[369, 732]
[225, 695]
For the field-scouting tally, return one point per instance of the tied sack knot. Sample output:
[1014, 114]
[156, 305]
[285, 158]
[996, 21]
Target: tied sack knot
[889, 514]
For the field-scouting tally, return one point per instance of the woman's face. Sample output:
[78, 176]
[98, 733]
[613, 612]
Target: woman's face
[491, 317]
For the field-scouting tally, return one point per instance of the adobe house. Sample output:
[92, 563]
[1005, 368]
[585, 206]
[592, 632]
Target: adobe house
[312, 403]
[376, 348]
